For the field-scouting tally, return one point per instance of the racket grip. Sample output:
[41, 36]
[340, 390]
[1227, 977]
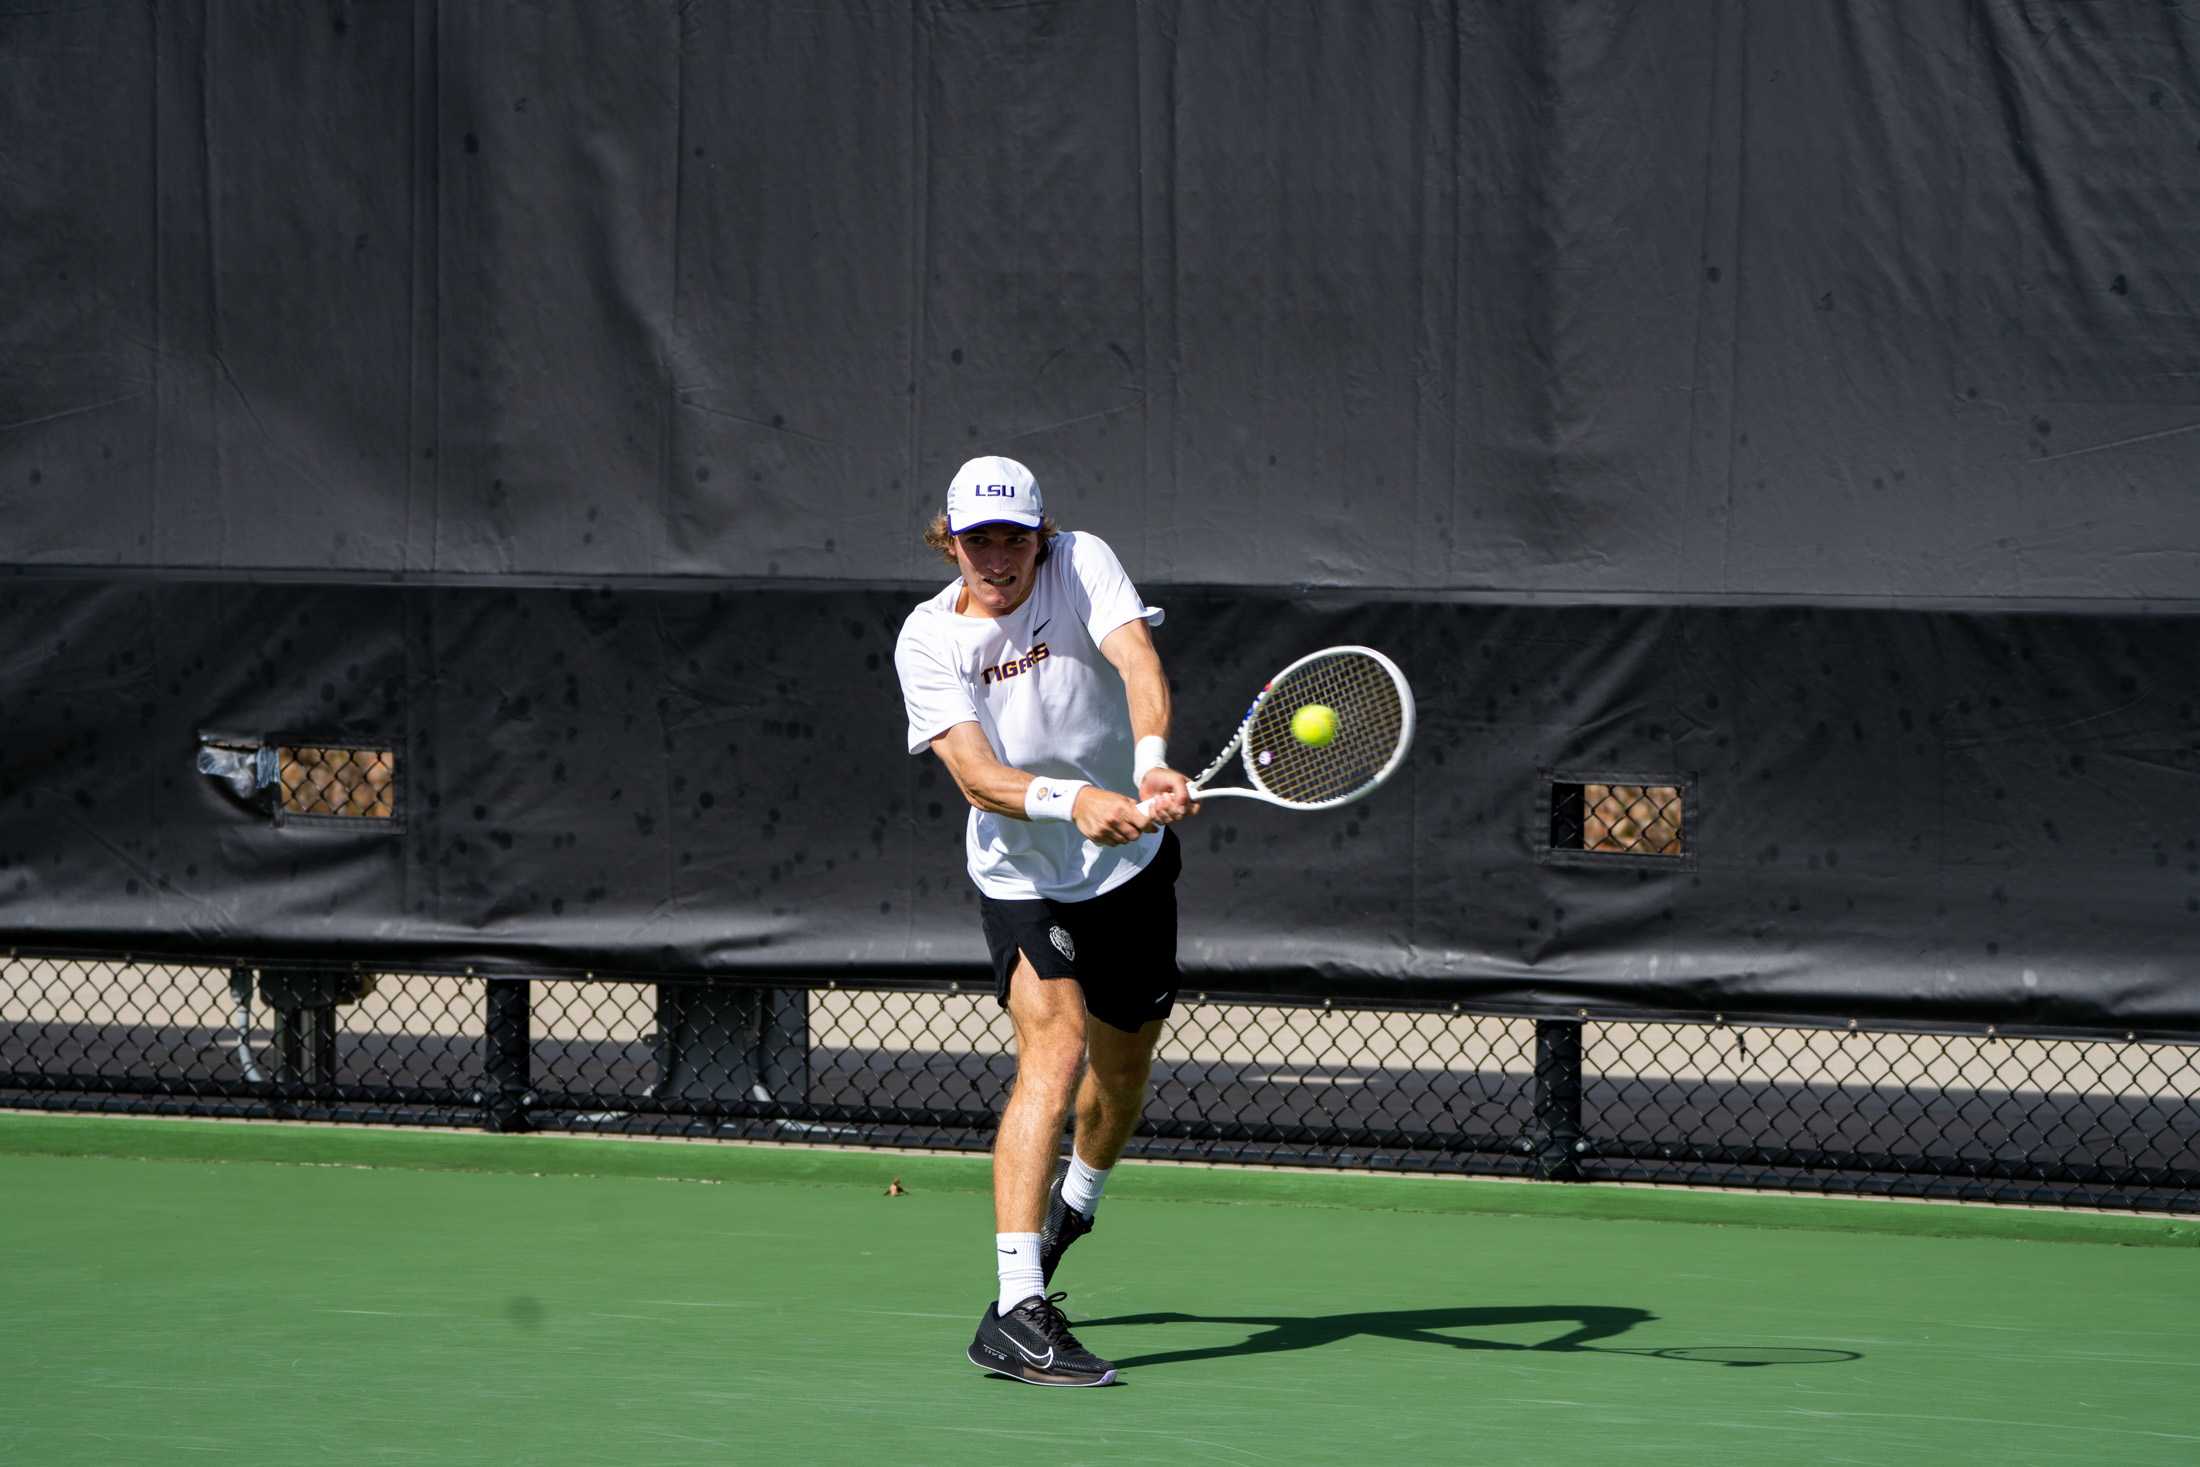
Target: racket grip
[1145, 806]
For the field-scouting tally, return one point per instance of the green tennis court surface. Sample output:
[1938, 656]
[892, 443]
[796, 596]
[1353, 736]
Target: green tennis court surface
[189, 1291]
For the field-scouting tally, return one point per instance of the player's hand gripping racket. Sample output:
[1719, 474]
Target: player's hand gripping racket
[1326, 730]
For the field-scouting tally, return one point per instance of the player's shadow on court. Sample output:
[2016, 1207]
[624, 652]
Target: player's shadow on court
[1589, 1323]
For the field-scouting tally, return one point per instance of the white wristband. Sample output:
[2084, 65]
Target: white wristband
[1051, 799]
[1153, 753]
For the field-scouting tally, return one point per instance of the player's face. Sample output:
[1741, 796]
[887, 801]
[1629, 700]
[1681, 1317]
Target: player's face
[997, 564]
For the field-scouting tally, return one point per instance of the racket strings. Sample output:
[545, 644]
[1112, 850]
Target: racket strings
[1371, 722]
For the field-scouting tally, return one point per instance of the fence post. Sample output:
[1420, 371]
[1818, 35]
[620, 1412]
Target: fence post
[1557, 1099]
[507, 1048]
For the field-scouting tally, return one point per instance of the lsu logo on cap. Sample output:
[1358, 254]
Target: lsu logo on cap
[993, 490]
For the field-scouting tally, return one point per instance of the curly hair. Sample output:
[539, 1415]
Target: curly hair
[936, 536]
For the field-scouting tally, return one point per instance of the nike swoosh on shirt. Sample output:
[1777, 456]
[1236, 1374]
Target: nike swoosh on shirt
[1042, 626]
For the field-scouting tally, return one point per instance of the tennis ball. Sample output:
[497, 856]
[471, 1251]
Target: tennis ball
[1315, 725]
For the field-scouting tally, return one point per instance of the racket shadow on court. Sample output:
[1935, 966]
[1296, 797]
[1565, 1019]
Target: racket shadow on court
[1588, 1324]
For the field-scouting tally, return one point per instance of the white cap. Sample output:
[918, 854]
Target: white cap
[992, 490]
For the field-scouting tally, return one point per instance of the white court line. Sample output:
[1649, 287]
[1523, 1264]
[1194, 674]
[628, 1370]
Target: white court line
[393, 1313]
[1991, 1421]
[902, 1313]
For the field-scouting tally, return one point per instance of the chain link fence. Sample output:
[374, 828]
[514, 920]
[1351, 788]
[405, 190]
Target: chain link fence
[1978, 1117]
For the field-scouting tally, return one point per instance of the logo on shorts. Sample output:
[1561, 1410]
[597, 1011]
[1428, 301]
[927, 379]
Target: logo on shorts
[1059, 936]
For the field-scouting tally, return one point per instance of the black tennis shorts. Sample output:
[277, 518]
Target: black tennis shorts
[1120, 946]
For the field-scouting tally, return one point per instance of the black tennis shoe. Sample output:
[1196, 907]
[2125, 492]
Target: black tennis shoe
[1064, 1225]
[1032, 1343]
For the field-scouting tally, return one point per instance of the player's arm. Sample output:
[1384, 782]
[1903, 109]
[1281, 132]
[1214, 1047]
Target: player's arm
[1102, 816]
[1130, 650]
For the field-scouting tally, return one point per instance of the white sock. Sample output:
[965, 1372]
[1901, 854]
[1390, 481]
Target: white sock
[1082, 1186]
[1018, 1260]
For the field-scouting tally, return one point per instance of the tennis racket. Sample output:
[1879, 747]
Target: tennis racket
[1370, 730]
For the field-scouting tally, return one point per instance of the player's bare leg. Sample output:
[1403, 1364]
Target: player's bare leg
[1113, 1094]
[1110, 1100]
[1022, 1334]
[1050, 1049]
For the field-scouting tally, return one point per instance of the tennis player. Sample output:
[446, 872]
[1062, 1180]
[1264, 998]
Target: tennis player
[1033, 677]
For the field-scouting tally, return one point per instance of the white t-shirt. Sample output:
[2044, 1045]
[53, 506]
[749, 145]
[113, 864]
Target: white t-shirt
[1048, 702]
